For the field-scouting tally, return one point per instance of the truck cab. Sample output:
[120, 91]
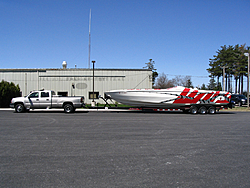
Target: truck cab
[39, 99]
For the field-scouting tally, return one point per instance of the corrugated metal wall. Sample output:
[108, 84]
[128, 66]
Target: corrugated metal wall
[61, 80]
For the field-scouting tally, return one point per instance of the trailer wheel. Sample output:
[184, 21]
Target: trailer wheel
[211, 110]
[19, 108]
[202, 110]
[68, 108]
[193, 110]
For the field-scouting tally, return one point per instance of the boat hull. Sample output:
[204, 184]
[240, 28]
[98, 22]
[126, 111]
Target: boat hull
[172, 97]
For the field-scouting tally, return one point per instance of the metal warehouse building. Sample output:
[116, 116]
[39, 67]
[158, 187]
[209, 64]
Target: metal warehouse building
[78, 82]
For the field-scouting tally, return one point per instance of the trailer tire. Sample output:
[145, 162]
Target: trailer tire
[193, 110]
[68, 108]
[19, 108]
[202, 110]
[211, 110]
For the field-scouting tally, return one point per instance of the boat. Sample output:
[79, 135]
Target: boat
[174, 97]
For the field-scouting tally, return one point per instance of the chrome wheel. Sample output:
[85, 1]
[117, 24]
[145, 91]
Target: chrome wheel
[19, 108]
[203, 110]
[212, 110]
[68, 108]
[193, 110]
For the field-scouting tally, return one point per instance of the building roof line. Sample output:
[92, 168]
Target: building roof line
[68, 69]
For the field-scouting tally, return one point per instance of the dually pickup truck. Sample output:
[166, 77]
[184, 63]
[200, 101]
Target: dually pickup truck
[46, 99]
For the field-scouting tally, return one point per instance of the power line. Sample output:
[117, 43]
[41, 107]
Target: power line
[187, 75]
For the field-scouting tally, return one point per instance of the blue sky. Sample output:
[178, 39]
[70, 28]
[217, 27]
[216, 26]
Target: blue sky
[180, 35]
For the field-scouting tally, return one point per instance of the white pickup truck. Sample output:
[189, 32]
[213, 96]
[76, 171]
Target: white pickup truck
[46, 99]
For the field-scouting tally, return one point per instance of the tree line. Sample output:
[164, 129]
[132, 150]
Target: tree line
[230, 59]
[234, 62]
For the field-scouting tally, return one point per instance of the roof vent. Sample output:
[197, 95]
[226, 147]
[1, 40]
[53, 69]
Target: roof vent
[64, 64]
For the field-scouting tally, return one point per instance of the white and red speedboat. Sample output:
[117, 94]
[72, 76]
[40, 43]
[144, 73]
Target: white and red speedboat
[178, 96]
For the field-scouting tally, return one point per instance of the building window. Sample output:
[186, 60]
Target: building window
[96, 94]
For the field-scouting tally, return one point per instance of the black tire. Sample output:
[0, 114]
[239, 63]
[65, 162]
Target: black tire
[193, 110]
[211, 110]
[202, 110]
[68, 108]
[19, 108]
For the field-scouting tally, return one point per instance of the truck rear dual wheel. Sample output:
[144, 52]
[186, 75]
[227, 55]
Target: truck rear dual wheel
[68, 108]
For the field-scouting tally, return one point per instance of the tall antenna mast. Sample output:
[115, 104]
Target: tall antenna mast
[89, 36]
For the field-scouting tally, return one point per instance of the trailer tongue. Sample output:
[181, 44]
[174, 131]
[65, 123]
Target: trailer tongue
[185, 99]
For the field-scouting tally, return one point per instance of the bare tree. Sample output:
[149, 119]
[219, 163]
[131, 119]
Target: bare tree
[182, 81]
[163, 82]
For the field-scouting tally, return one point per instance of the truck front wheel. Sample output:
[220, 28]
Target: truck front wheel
[68, 108]
[19, 108]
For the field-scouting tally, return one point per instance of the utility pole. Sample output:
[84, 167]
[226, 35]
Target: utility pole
[248, 62]
[89, 37]
[93, 101]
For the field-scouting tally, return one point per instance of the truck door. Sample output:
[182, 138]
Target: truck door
[33, 100]
[45, 99]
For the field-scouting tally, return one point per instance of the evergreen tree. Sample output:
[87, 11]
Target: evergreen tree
[212, 84]
[7, 92]
[151, 66]
[235, 63]
[203, 87]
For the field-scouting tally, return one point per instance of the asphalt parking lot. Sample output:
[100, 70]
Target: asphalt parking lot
[111, 149]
